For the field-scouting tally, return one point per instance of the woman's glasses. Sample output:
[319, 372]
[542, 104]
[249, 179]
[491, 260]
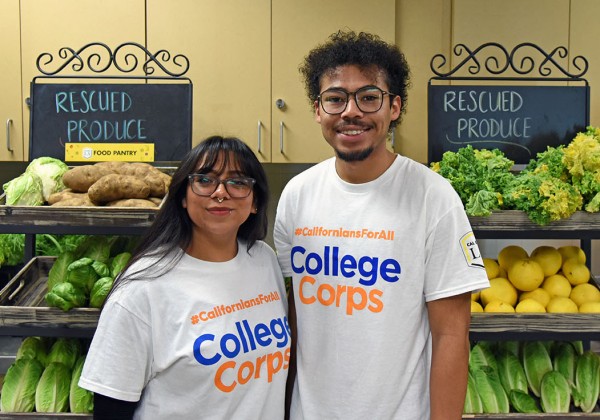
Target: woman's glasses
[205, 185]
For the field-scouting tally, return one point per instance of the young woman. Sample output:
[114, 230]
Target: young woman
[196, 326]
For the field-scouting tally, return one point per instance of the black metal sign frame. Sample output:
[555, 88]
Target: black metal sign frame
[532, 64]
[98, 58]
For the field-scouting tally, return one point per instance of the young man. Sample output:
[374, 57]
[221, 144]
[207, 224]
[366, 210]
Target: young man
[380, 252]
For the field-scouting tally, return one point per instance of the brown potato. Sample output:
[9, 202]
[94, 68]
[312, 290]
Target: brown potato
[112, 166]
[131, 202]
[83, 200]
[80, 178]
[61, 195]
[156, 184]
[156, 200]
[115, 187]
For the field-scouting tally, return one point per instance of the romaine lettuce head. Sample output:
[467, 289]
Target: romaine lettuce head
[20, 382]
[50, 171]
[52, 392]
[58, 271]
[24, 190]
[80, 400]
[32, 348]
[66, 351]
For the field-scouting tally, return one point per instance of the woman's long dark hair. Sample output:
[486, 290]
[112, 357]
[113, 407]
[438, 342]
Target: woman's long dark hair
[171, 231]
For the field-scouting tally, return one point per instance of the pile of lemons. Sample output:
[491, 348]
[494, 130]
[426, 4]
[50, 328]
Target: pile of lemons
[553, 280]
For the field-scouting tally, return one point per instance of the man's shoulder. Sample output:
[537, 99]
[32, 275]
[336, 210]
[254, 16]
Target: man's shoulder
[319, 170]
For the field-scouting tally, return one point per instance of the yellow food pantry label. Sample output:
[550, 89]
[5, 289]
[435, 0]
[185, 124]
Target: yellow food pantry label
[100, 152]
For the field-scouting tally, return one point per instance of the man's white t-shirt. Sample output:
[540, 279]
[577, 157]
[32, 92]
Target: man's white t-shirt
[205, 340]
[364, 260]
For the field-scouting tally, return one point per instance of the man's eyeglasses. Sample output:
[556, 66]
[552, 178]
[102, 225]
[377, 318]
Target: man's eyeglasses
[368, 99]
[205, 185]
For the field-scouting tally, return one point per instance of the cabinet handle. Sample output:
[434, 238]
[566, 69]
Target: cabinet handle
[8, 124]
[281, 125]
[259, 137]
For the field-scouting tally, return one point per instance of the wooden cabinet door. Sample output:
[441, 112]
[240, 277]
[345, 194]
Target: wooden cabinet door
[228, 44]
[11, 117]
[584, 42]
[299, 26]
[50, 25]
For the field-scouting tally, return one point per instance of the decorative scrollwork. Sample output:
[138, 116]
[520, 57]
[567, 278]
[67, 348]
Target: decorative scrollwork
[99, 58]
[497, 60]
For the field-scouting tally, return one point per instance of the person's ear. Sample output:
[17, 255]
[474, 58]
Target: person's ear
[396, 107]
[184, 203]
[317, 112]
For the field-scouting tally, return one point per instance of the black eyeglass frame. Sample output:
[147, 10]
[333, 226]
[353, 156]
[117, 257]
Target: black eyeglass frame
[192, 179]
[348, 94]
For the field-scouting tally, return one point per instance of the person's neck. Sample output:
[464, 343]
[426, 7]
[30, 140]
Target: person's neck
[360, 172]
[213, 249]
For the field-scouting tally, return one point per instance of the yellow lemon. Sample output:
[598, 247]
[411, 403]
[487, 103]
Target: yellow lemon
[476, 307]
[500, 289]
[560, 304]
[557, 285]
[475, 296]
[549, 258]
[583, 293]
[503, 273]
[526, 274]
[529, 305]
[590, 308]
[575, 271]
[498, 306]
[509, 254]
[539, 294]
[492, 268]
[569, 251]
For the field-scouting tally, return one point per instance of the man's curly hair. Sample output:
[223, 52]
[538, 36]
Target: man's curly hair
[361, 49]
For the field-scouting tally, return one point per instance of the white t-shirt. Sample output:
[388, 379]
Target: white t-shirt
[364, 260]
[205, 340]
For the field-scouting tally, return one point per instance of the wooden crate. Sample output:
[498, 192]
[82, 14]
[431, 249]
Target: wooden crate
[22, 305]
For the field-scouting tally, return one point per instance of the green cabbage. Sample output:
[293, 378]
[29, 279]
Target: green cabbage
[66, 296]
[24, 190]
[20, 382]
[101, 269]
[80, 400]
[50, 171]
[118, 263]
[81, 274]
[52, 392]
[100, 291]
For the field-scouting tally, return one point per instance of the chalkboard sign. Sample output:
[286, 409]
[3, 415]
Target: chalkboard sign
[158, 114]
[519, 120]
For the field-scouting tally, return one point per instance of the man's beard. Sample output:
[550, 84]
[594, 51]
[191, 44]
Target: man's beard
[354, 156]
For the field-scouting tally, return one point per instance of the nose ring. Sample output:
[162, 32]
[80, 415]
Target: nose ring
[220, 199]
